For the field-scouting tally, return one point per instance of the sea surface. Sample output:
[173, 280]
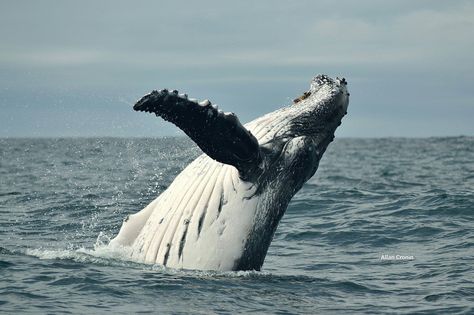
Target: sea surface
[386, 226]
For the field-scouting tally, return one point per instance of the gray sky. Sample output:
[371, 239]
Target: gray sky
[74, 68]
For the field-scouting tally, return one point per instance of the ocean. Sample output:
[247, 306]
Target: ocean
[386, 226]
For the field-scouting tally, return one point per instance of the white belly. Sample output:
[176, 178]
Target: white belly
[201, 221]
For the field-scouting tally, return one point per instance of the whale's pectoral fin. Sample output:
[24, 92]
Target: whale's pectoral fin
[220, 135]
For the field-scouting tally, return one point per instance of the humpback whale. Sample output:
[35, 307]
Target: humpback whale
[222, 210]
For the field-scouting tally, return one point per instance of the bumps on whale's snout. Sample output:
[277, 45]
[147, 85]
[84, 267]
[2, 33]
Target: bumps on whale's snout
[322, 79]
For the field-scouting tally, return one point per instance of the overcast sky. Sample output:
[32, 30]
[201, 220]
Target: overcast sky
[74, 68]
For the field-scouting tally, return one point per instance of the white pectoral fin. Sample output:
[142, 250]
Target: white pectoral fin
[132, 226]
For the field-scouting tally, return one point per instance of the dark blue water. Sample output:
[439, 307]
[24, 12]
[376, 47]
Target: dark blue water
[61, 199]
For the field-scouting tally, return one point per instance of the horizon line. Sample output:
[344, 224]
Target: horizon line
[186, 137]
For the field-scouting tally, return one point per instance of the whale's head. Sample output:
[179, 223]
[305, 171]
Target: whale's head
[314, 115]
[300, 133]
[320, 110]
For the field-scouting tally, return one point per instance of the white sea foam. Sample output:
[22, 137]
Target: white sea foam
[120, 256]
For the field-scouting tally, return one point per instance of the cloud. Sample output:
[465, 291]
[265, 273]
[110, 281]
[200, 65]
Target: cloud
[214, 35]
[399, 56]
[48, 58]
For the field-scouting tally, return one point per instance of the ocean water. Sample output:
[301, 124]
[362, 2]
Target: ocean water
[409, 201]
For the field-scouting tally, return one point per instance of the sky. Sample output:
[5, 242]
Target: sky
[75, 68]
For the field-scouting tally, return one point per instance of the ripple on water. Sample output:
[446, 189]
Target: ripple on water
[369, 197]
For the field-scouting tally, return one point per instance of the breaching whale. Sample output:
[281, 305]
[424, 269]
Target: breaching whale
[222, 210]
